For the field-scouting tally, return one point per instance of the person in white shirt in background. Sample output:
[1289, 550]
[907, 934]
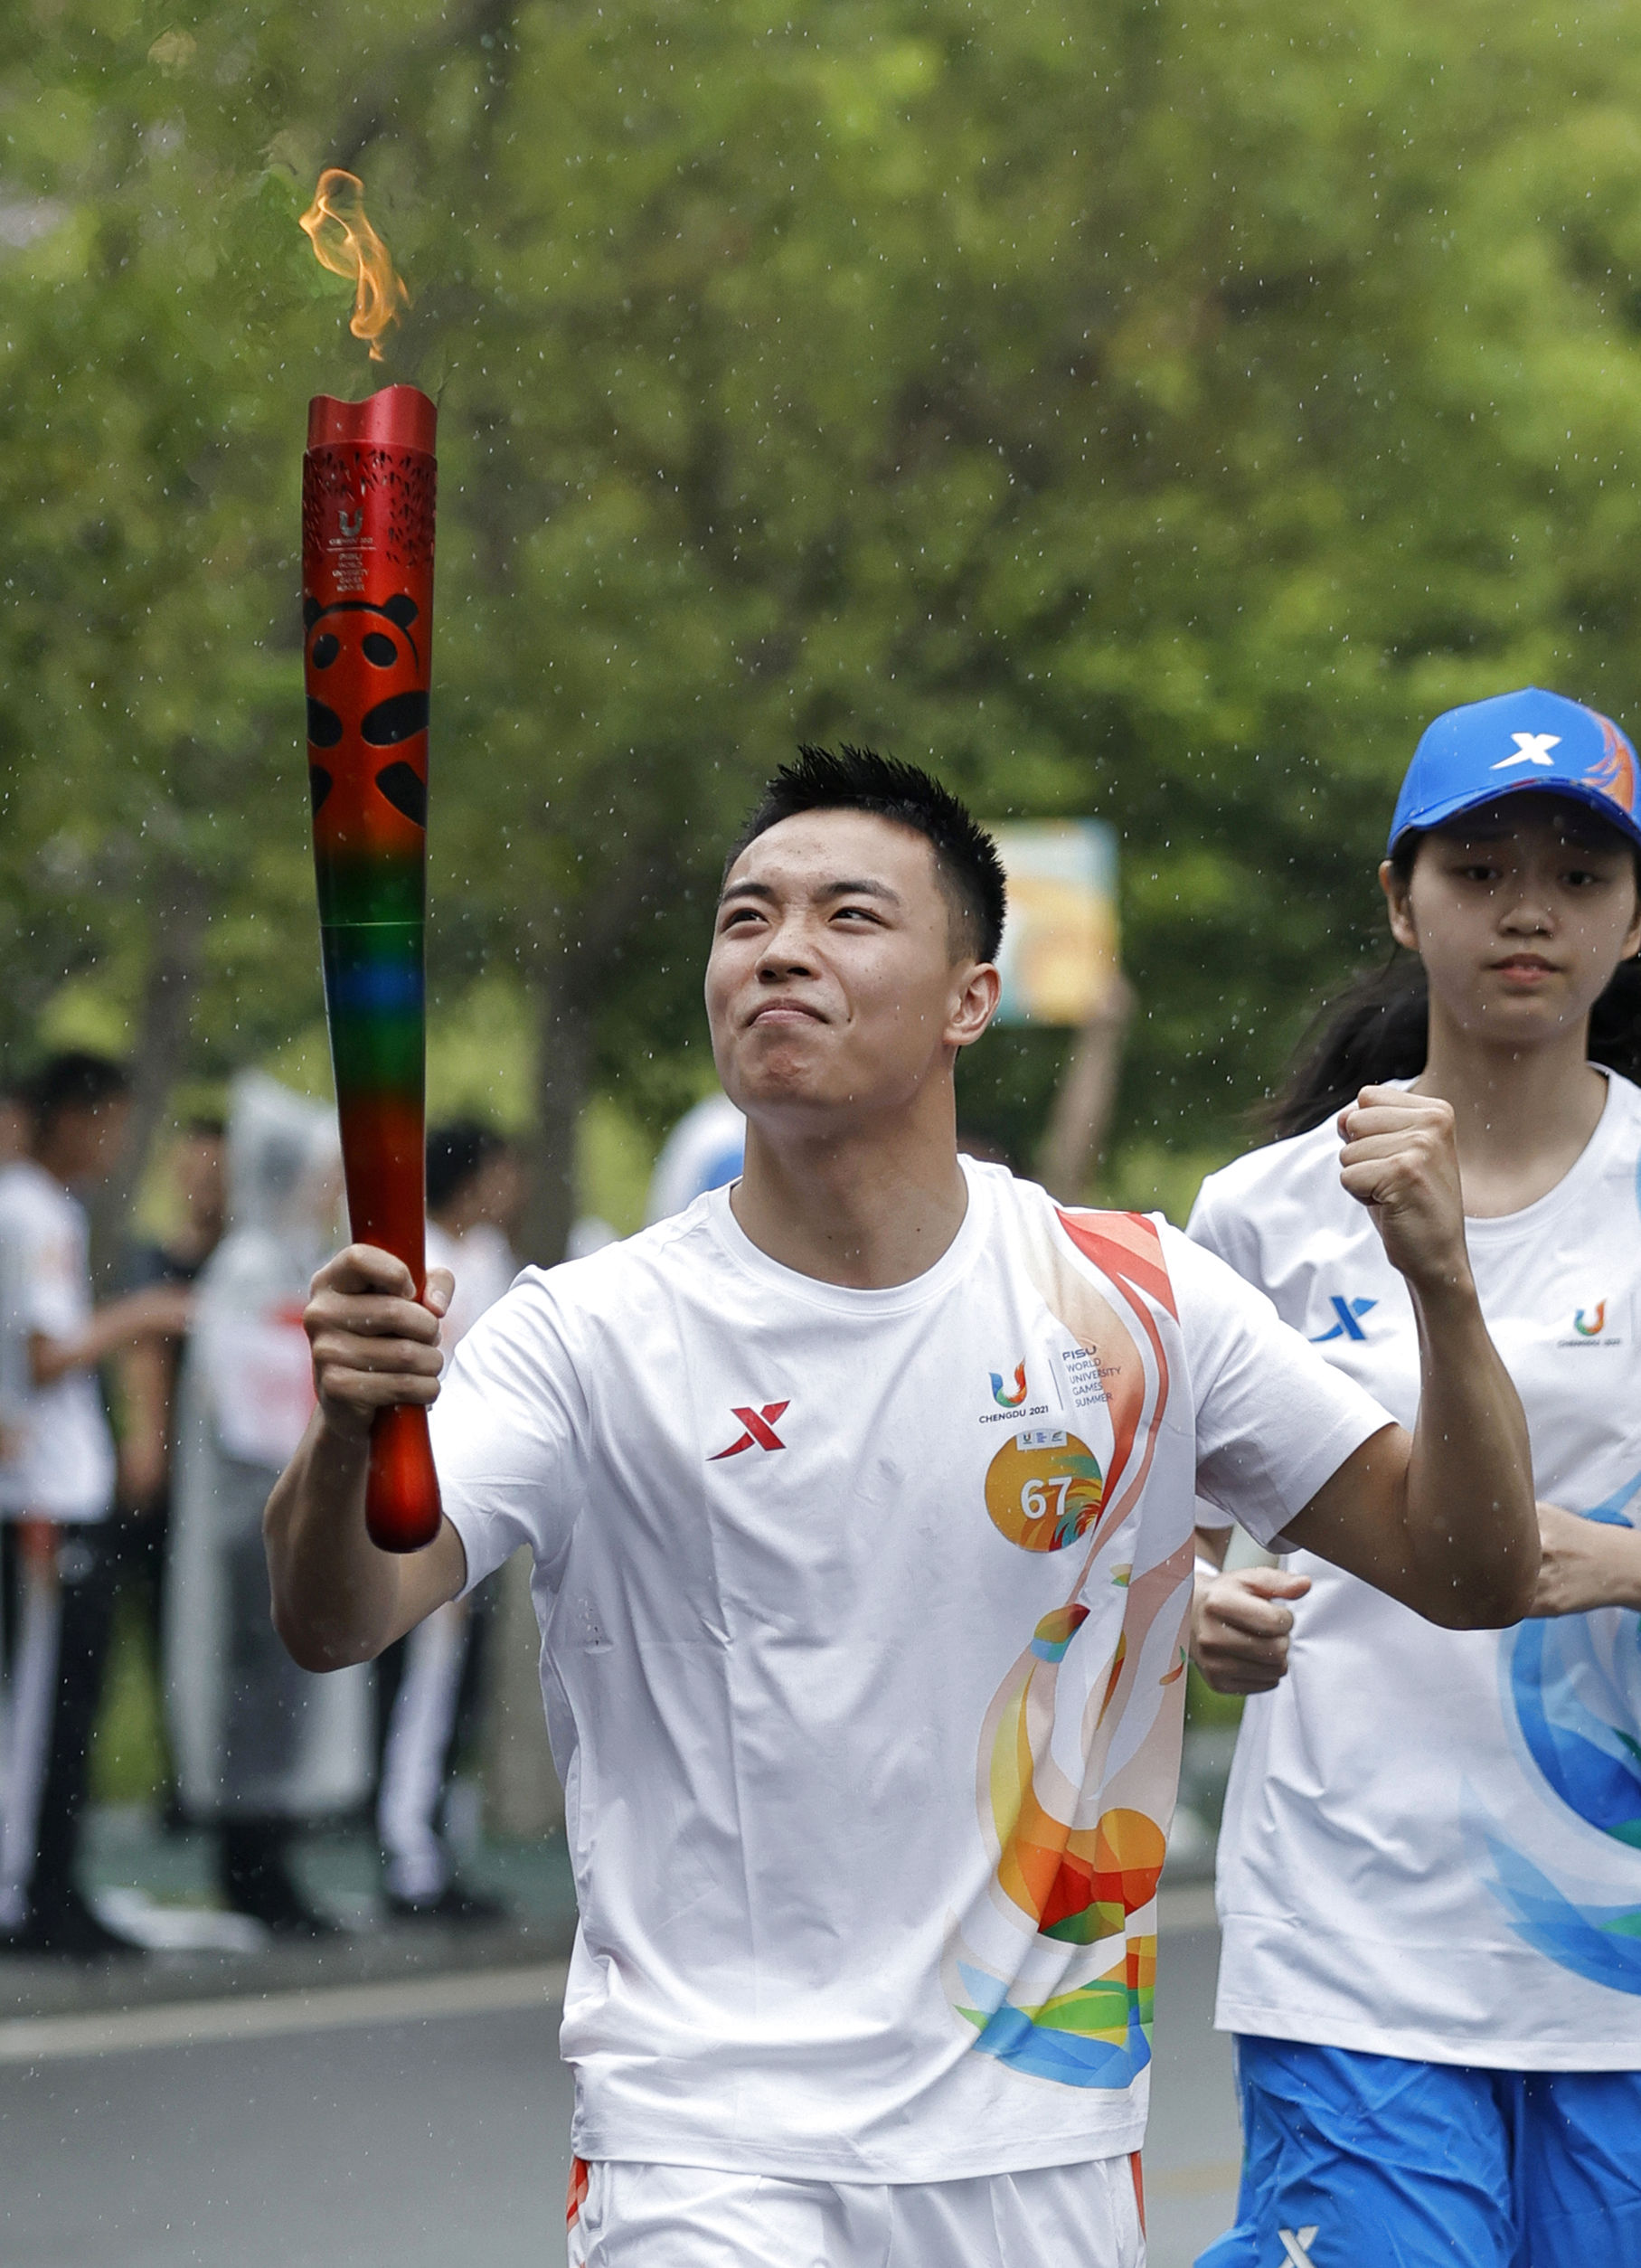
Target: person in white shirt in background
[1429, 1869]
[473, 1193]
[861, 1499]
[61, 1557]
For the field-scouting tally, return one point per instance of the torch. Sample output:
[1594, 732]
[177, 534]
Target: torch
[367, 609]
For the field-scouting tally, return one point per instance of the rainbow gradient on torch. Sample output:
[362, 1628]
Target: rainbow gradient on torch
[367, 498]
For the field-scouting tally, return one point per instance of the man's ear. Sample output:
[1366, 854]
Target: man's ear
[1398, 898]
[976, 1003]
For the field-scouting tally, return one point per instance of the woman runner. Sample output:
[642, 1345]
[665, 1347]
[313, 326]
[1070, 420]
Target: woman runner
[1430, 1872]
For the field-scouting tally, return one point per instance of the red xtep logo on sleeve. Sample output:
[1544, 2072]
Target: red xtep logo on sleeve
[760, 1430]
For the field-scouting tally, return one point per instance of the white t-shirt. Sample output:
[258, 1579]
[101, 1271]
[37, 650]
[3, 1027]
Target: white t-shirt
[862, 1618]
[62, 1468]
[1431, 1844]
[483, 1264]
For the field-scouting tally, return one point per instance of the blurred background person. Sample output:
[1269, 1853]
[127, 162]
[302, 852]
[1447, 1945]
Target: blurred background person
[428, 1681]
[15, 1122]
[263, 1749]
[57, 1485]
[15, 1126]
[475, 1194]
[147, 1373]
[703, 1151]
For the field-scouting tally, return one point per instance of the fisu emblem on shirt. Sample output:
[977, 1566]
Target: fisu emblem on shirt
[1598, 1323]
[1010, 1396]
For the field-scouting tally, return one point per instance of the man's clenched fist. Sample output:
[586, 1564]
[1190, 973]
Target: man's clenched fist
[1240, 1627]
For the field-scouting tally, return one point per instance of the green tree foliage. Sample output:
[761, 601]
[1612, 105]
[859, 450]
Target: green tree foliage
[1123, 411]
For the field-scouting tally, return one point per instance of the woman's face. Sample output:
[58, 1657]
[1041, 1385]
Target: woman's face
[1520, 911]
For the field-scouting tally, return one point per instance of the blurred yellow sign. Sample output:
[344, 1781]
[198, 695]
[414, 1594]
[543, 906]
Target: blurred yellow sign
[1060, 949]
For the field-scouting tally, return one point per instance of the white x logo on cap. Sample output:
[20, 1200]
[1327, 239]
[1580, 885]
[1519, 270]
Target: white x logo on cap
[1295, 2246]
[1531, 748]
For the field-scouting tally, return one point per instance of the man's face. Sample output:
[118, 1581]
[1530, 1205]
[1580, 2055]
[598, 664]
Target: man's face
[831, 987]
[82, 1142]
[498, 1191]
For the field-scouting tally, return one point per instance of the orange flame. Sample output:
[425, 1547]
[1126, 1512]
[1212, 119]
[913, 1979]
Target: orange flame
[344, 242]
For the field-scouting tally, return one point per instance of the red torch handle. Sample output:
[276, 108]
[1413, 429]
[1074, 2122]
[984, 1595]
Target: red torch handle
[402, 1510]
[367, 576]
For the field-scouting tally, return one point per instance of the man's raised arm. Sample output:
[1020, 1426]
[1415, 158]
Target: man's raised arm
[1442, 1519]
[336, 1599]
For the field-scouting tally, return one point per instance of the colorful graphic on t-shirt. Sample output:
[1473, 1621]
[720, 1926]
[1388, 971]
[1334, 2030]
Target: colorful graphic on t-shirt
[1078, 1853]
[1009, 1401]
[1595, 1327]
[1056, 1632]
[1044, 1490]
[1573, 1682]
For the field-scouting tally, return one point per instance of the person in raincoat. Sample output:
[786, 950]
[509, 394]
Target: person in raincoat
[262, 1747]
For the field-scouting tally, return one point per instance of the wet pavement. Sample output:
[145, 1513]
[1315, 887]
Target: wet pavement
[145, 1880]
[393, 2095]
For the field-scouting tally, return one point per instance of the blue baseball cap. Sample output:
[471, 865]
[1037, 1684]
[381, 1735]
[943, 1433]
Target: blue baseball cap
[1514, 742]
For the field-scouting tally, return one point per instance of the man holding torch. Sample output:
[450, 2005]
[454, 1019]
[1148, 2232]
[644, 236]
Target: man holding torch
[861, 1500]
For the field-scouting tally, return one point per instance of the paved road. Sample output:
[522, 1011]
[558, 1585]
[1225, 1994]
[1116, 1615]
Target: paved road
[1194, 2145]
[379, 2128]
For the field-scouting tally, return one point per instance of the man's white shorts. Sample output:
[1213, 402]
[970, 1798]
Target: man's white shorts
[624, 2216]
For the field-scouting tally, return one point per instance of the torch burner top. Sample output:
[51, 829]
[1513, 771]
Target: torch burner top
[393, 417]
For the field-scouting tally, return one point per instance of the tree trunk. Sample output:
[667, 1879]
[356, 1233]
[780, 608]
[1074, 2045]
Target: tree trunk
[522, 1794]
[1081, 1118]
[179, 902]
[564, 1040]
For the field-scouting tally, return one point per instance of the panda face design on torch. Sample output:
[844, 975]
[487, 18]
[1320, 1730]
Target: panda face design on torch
[371, 702]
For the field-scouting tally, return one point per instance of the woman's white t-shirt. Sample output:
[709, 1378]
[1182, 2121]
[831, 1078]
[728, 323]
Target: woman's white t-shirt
[1431, 1844]
[861, 1619]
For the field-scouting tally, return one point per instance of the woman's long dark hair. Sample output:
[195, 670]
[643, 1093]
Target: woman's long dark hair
[1379, 1029]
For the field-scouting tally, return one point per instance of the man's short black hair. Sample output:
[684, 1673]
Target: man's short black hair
[456, 1155]
[859, 779]
[73, 1080]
